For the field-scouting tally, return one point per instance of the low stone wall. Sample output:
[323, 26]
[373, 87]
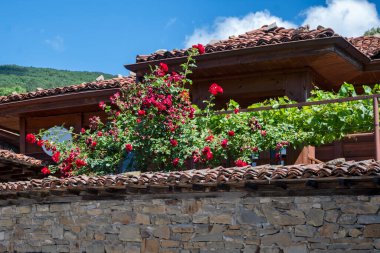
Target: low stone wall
[192, 223]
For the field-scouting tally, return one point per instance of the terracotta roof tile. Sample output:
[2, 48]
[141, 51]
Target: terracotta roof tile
[106, 84]
[368, 45]
[9, 156]
[203, 177]
[255, 38]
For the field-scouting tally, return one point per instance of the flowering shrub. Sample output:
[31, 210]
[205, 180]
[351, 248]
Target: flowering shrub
[152, 126]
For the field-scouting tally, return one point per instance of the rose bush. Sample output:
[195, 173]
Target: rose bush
[152, 125]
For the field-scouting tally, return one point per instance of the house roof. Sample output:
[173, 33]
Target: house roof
[18, 159]
[271, 35]
[98, 85]
[206, 177]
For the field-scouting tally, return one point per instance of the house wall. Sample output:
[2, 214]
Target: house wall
[191, 223]
[33, 124]
[251, 88]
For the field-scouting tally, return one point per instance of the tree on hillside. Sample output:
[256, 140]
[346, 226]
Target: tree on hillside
[372, 31]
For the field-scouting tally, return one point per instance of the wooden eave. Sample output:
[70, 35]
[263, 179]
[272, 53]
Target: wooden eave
[318, 54]
[56, 102]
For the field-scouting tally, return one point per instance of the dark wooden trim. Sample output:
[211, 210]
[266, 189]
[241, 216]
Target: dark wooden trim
[267, 52]
[62, 101]
[22, 135]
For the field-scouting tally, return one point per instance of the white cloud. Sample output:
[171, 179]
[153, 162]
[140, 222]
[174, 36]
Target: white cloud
[346, 17]
[56, 43]
[225, 27]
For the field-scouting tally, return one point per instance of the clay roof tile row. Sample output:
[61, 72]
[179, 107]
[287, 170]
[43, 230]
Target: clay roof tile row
[106, 84]
[206, 176]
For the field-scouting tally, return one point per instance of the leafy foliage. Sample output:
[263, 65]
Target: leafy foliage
[153, 126]
[372, 31]
[19, 79]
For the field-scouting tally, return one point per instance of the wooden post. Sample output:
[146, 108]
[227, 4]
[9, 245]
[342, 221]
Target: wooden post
[377, 133]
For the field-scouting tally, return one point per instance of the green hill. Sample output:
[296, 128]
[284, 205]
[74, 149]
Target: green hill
[20, 79]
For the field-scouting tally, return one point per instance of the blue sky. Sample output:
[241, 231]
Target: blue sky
[102, 35]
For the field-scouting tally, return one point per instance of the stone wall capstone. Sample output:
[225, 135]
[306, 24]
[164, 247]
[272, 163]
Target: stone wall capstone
[194, 223]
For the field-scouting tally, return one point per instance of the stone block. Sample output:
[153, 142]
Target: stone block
[24, 209]
[59, 207]
[301, 248]
[130, 233]
[315, 217]
[182, 228]
[170, 244]
[221, 219]
[368, 219]
[292, 217]
[328, 230]
[162, 232]
[281, 239]
[142, 219]
[246, 216]
[347, 219]
[304, 230]
[96, 247]
[200, 219]
[360, 208]
[331, 216]
[150, 246]
[372, 230]
[121, 217]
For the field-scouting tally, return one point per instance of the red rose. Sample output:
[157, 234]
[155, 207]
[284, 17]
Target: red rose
[138, 120]
[215, 89]
[93, 144]
[30, 138]
[263, 133]
[83, 130]
[55, 157]
[80, 163]
[174, 142]
[175, 162]
[210, 138]
[206, 150]
[236, 110]
[40, 143]
[102, 105]
[128, 147]
[45, 171]
[200, 47]
[209, 156]
[278, 156]
[100, 133]
[141, 112]
[231, 133]
[255, 149]
[224, 143]
[164, 67]
[240, 163]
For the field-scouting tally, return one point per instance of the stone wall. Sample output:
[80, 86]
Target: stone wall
[193, 223]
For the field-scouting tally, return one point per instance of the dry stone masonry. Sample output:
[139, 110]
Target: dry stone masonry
[192, 223]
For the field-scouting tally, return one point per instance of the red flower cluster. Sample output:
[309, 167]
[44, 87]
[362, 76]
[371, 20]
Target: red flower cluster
[215, 89]
[207, 153]
[231, 133]
[224, 143]
[200, 47]
[162, 70]
[56, 156]
[80, 163]
[45, 171]
[240, 163]
[175, 162]
[174, 142]
[128, 147]
[102, 105]
[263, 133]
[141, 112]
[209, 138]
[30, 138]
